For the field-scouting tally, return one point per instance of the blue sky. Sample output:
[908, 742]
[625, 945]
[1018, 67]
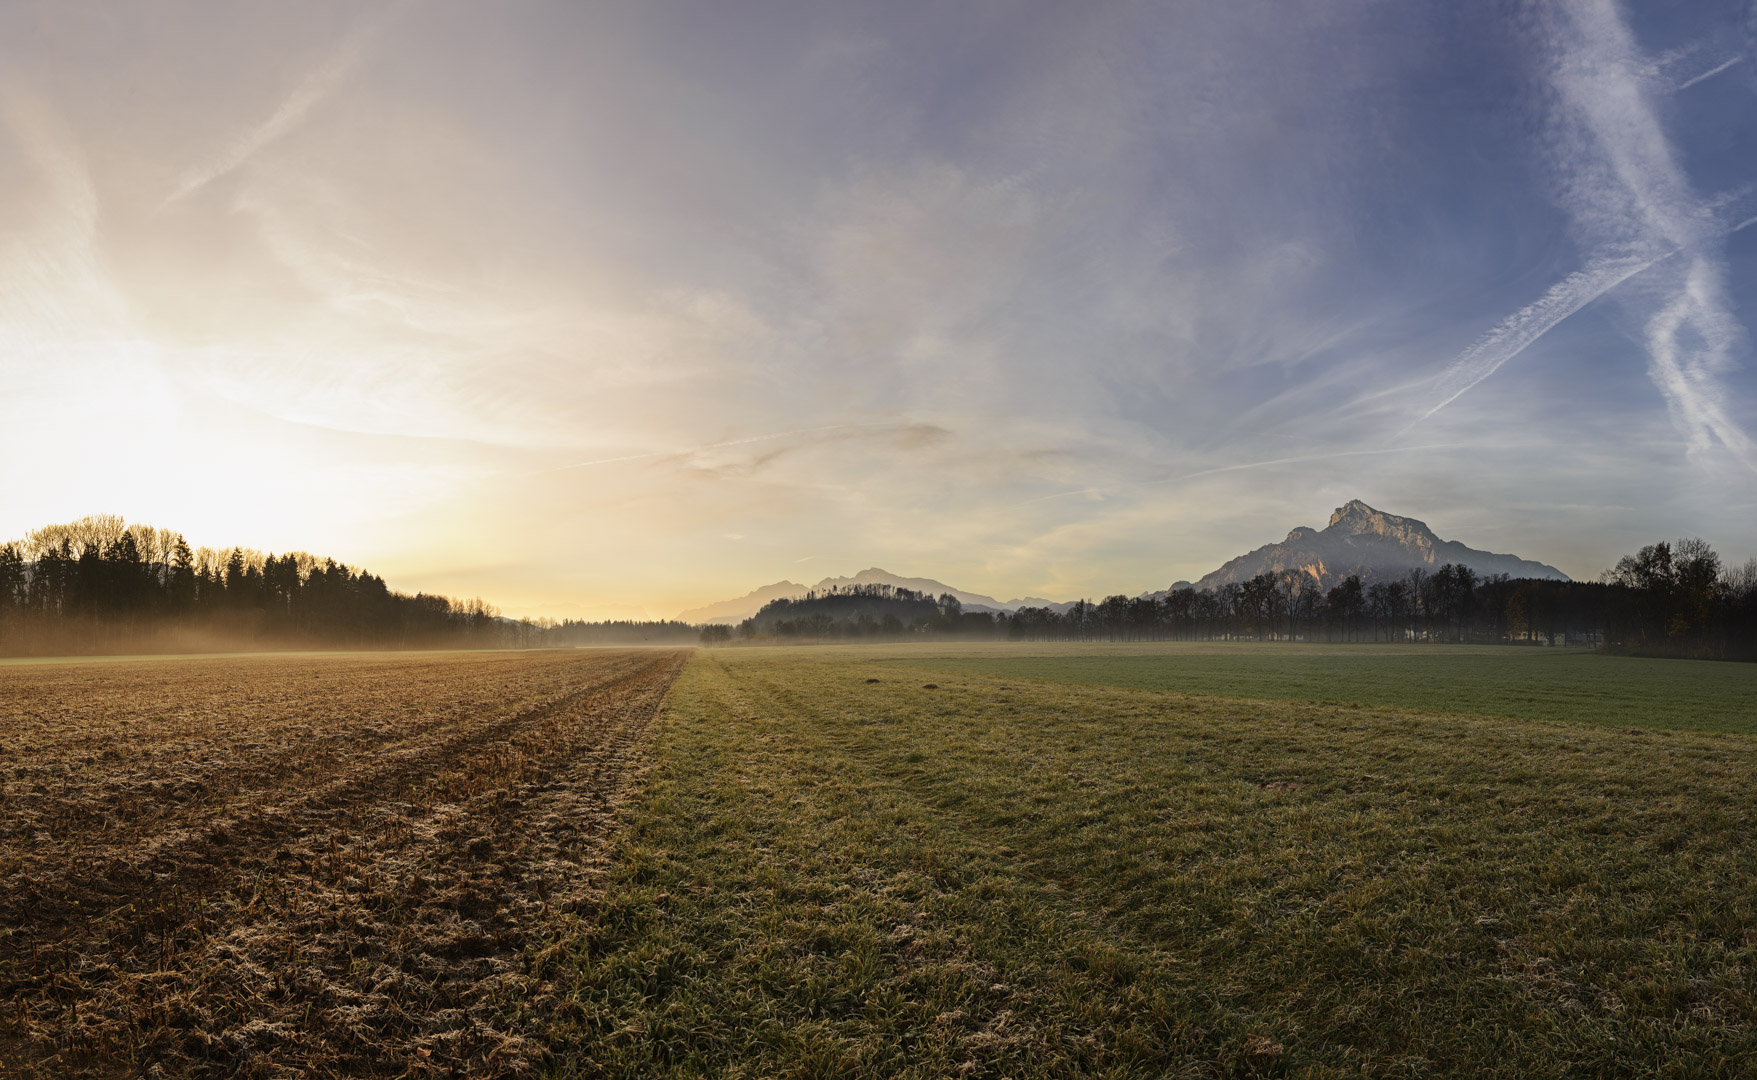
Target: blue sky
[612, 309]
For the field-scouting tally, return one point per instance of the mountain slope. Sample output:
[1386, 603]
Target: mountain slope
[1375, 545]
[735, 611]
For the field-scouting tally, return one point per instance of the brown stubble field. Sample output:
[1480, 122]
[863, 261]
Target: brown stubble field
[320, 865]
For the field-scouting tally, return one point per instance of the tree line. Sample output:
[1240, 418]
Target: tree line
[1666, 600]
[574, 633]
[101, 585]
[1670, 599]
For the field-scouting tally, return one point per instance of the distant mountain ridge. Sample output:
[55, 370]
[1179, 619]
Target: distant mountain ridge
[735, 611]
[1358, 540]
[971, 601]
[1370, 543]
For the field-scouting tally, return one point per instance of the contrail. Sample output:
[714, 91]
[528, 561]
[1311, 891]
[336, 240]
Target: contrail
[293, 109]
[1692, 338]
[1517, 331]
[1633, 173]
[1710, 73]
[1071, 494]
[1300, 460]
[1689, 388]
[610, 460]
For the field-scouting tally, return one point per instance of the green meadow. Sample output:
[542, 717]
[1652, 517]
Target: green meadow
[1178, 861]
[1523, 682]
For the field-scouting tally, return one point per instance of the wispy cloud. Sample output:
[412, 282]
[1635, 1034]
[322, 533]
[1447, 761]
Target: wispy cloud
[318, 84]
[48, 263]
[1242, 466]
[903, 436]
[1303, 459]
[686, 452]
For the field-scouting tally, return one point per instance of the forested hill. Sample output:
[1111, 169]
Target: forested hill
[864, 610]
[101, 585]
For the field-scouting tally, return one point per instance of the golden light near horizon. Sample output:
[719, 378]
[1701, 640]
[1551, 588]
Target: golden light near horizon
[614, 310]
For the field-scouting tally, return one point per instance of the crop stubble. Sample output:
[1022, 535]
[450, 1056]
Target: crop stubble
[303, 866]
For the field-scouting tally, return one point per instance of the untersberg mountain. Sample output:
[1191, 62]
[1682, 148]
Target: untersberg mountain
[1359, 540]
[1374, 545]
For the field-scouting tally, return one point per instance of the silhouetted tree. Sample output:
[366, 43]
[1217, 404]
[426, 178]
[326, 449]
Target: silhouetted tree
[1347, 603]
[180, 587]
[13, 589]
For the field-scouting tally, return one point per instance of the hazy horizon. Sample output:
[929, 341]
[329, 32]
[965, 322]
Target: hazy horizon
[616, 310]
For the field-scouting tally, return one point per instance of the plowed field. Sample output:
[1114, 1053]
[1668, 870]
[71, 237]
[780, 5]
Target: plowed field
[317, 866]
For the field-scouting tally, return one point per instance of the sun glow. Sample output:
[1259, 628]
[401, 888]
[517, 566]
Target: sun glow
[606, 313]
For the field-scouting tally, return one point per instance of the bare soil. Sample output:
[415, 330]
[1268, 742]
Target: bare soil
[304, 866]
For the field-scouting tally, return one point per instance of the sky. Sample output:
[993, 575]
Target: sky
[609, 310]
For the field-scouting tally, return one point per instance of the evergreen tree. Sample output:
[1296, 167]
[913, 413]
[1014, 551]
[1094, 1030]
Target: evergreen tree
[182, 578]
[125, 576]
[12, 581]
[234, 580]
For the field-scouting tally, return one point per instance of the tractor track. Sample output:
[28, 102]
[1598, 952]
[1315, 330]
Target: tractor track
[374, 915]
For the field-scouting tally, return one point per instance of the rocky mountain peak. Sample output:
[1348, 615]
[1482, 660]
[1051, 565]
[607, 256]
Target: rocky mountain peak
[1357, 516]
[1353, 508]
[1368, 542]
